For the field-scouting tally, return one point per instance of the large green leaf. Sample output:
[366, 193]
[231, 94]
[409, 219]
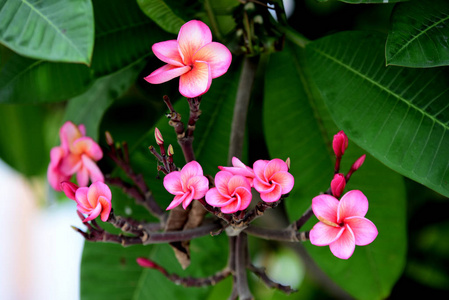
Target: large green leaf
[161, 13]
[89, 107]
[419, 34]
[398, 115]
[300, 127]
[26, 80]
[371, 1]
[50, 30]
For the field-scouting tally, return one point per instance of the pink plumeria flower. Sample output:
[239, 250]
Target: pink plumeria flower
[272, 179]
[54, 173]
[94, 201]
[193, 57]
[187, 185]
[342, 223]
[239, 168]
[231, 192]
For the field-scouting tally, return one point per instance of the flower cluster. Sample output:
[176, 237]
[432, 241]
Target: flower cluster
[232, 191]
[94, 200]
[77, 154]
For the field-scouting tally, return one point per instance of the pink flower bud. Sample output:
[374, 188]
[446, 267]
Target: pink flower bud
[146, 263]
[359, 162]
[287, 161]
[170, 151]
[338, 185]
[340, 143]
[109, 139]
[69, 189]
[158, 136]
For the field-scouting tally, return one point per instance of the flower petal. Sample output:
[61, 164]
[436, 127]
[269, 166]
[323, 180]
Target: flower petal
[353, 203]
[190, 170]
[344, 246]
[94, 171]
[217, 56]
[274, 166]
[192, 36]
[166, 73]
[221, 182]
[259, 168]
[214, 198]
[82, 176]
[68, 133]
[245, 196]
[98, 189]
[237, 181]
[86, 145]
[105, 208]
[178, 199]
[55, 178]
[172, 183]
[196, 82]
[233, 206]
[198, 186]
[168, 52]
[188, 199]
[94, 213]
[81, 198]
[285, 180]
[325, 207]
[263, 187]
[364, 230]
[322, 234]
[70, 164]
[272, 195]
[56, 155]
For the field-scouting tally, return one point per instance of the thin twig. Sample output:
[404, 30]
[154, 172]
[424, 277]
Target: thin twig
[260, 272]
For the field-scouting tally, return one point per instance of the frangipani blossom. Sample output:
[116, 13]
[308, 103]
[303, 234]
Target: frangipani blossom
[94, 201]
[239, 168]
[187, 185]
[193, 57]
[231, 192]
[77, 154]
[272, 179]
[342, 223]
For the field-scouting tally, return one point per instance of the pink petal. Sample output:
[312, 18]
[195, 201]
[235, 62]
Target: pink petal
[82, 177]
[56, 155]
[94, 171]
[81, 198]
[364, 230]
[192, 36]
[86, 145]
[94, 213]
[325, 207]
[344, 246]
[69, 189]
[68, 133]
[188, 199]
[55, 178]
[178, 199]
[166, 73]
[200, 185]
[259, 168]
[70, 164]
[273, 195]
[323, 235]
[274, 166]
[353, 203]
[237, 181]
[196, 82]
[221, 182]
[190, 170]
[233, 206]
[214, 198]
[96, 190]
[285, 180]
[217, 56]
[245, 196]
[105, 208]
[168, 52]
[82, 129]
[263, 187]
[172, 183]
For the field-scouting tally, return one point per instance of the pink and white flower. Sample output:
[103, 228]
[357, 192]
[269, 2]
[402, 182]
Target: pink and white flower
[193, 57]
[94, 201]
[272, 179]
[187, 185]
[239, 168]
[77, 154]
[342, 223]
[231, 192]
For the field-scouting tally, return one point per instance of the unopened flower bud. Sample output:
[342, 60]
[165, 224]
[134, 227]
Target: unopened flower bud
[340, 143]
[69, 189]
[158, 136]
[146, 263]
[287, 161]
[170, 151]
[359, 162]
[338, 185]
[109, 139]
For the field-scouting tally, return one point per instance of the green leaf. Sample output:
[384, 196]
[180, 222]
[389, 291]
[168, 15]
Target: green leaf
[89, 107]
[300, 127]
[398, 115]
[25, 80]
[24, 133]
[161, 13]
[123, 35]
[60, 31]
[371, 1]
[419, 35]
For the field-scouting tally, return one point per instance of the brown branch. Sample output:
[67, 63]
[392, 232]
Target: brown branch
[260, 272]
